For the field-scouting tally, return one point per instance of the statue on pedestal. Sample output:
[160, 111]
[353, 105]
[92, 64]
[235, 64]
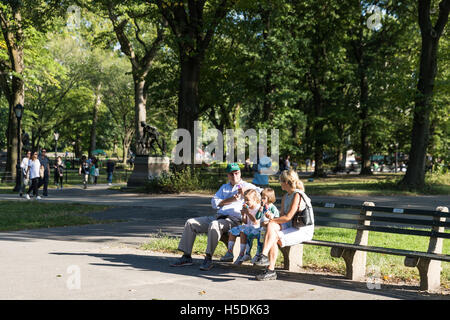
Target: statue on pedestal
[149, 162]
[150, 137]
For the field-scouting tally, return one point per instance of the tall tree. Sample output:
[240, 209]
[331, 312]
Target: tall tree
[193, 24]
[11, 73]
[140, 33]
[17, 19]
[431, 34]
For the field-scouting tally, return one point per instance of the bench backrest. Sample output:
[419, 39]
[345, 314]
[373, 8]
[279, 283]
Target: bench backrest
[383, 219]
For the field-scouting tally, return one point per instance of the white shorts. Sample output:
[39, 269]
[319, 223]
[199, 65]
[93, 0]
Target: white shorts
[292, 236]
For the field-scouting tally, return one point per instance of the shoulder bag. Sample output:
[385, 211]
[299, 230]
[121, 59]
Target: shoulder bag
[303, 217]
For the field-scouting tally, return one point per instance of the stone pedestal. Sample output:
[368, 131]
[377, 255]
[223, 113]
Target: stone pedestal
[146, 168]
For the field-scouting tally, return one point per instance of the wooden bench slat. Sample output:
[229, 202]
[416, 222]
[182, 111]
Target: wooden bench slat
[417, 212]
[406, 231]
[334, 205]
[399, 252]
[326, 223]
[337, 215]
[400, 220]
[405, 220]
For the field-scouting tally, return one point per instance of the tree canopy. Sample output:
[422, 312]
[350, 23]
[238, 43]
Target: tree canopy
[332, 76]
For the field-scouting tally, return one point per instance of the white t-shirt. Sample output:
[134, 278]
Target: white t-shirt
[234, 208]
[253, 212]
[34, 168]
[24, 165]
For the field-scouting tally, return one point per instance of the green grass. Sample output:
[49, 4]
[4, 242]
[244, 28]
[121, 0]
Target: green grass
[20, 215]
[318, 258]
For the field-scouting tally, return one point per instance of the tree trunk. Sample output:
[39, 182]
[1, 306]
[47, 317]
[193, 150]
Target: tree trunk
[13, 36]
[140, 102]
[188, 109]
[415, 174]
[126, 142]
[317, 133]
[93, 139]
[364, 116]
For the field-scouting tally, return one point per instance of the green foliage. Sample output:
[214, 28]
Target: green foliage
[183, 181]
[295, 66]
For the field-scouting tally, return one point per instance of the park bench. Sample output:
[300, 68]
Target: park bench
[430, 224]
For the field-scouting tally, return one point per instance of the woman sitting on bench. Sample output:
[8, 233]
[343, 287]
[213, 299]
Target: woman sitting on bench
[280, 230]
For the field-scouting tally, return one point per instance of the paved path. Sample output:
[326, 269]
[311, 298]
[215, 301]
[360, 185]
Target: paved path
[44, 263]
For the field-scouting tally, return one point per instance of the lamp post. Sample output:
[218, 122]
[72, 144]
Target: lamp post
[396, 156]
[56, 136]
[18, 110]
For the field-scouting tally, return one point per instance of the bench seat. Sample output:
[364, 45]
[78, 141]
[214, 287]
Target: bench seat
[398, 252]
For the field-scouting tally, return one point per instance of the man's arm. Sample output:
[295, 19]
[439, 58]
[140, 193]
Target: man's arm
[219, 199]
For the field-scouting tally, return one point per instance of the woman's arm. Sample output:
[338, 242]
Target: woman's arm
[292, 210]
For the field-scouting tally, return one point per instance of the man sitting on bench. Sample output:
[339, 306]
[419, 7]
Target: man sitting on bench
[229, 200]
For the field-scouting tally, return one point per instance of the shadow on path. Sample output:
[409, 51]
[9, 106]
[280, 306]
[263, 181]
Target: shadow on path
[223, 272]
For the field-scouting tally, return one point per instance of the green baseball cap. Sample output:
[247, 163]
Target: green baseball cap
[232, 167]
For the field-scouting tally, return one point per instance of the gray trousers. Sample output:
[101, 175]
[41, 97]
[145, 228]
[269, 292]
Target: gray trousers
[209, 225]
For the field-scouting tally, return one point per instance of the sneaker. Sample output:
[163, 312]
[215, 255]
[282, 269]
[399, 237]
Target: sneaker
[38, 198]
[263, 261]
[21, 194]
[228, 257]
[267, 275]
[246, 257]
[256, 257]
[183, 261]
[238, 261]
[206, 265]
[28, 196]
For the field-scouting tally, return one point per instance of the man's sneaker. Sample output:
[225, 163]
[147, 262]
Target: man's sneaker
[28, 196]
[183, 261]
[228, 257]
[267, 275]
[38, 198]
[263, 261]
[256, 257]
[246, 257]
[206, 265]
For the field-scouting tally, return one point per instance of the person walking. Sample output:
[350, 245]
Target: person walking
[92, 171]
[45, 162]
[25, 173]
[261, 176]
[34, 168]
[109, 170]
[83, 171]
[59, 173]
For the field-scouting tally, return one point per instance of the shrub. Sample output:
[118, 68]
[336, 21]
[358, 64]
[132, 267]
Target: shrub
[183, 180]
